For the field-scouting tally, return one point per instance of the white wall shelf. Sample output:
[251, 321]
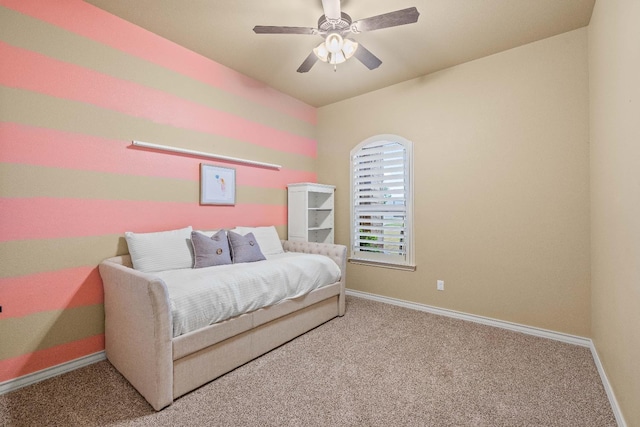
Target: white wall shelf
[170, 149]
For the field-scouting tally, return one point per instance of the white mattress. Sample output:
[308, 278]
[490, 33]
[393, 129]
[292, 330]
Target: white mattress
[204, 296]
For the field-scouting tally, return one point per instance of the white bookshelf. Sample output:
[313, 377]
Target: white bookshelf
[310, 212]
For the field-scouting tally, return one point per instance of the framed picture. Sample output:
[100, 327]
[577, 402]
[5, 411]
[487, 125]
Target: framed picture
[217, 185]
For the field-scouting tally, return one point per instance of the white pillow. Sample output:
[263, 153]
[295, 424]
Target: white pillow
[208, 233]
[267, 238]
[164, 250]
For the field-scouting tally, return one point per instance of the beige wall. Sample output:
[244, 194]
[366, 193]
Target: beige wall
[501, 183]
[614, 83]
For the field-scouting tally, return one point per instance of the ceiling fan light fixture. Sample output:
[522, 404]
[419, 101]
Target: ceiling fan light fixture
[334, 42]
[321, 52]
[349, 48]
[328, 51]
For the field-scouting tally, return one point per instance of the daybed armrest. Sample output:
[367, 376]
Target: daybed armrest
[138, 329]
[338, 253]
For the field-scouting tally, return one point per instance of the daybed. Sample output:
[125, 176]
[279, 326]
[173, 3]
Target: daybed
[139, 329]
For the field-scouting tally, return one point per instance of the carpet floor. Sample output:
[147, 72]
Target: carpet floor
[379, 365]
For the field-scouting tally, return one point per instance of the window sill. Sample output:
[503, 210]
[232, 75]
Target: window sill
[382, 264]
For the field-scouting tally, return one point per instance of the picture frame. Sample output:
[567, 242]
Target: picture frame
[217, 185]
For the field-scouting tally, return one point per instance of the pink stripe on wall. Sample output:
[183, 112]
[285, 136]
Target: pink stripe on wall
[49, 147]
[32, 71]
[56, 290]
[94, 23]
[28, 363]
[48, 218]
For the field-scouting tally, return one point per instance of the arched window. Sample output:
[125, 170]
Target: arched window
[382, 202]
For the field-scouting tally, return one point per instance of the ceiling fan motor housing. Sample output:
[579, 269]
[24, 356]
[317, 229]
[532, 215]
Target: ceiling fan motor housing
[339, 25]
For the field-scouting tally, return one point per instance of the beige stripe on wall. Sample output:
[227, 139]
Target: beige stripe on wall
[23, 257]
[38, 36]
[39, 181]
[35, 109]
[49, 328]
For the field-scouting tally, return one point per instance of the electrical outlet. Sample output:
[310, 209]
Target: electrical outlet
[440, 285]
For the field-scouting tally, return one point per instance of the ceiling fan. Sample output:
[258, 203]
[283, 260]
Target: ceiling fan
[334, 26]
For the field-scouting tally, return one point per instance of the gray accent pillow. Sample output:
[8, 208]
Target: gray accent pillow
[244, 248]
[210, 251]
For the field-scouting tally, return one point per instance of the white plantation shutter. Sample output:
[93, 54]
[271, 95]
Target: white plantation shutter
[381, 200]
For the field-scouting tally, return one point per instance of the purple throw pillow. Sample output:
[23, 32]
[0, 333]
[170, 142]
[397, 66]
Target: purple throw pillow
[244, 248]
[212, 251]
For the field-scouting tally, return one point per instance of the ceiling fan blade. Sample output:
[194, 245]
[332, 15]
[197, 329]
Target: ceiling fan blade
[308, 63]
[386, 20]
[331, 9]
[265, 29]
[367, 58]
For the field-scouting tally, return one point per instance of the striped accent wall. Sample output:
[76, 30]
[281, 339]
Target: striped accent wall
[77, 85]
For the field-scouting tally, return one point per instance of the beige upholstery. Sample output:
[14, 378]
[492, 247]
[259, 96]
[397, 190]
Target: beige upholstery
[138, 328]
[338, 253]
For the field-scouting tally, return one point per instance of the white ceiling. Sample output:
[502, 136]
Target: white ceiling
[448, 32]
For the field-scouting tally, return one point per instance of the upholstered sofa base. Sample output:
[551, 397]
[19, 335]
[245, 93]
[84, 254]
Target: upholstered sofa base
[139, 342]
[211, 362]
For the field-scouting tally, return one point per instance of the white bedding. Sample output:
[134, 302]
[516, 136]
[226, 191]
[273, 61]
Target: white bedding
[204, 296]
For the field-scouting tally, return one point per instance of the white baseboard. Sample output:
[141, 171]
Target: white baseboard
[530, 330]
[543, 333]
[607, 388]
[25, 380]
